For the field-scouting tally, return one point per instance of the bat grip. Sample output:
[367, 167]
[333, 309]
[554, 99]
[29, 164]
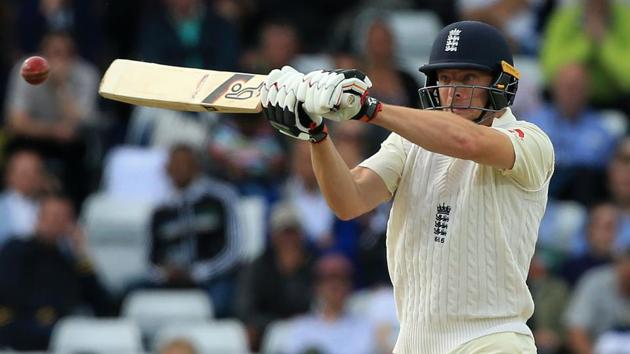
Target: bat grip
[348, 100]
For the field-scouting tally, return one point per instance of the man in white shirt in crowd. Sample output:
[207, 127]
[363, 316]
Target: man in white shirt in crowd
[330, 328]
[469, 186]
[600, 305]
[19, 203]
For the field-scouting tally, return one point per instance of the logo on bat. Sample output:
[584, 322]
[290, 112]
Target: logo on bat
[233, 88]
[238, 92]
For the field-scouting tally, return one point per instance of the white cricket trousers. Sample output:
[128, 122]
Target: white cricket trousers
[498, 343]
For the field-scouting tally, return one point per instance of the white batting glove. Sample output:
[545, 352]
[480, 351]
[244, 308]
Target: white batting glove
[338, 95]
[282, 109]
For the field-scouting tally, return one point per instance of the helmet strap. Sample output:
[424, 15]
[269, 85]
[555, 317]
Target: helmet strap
[484, 115]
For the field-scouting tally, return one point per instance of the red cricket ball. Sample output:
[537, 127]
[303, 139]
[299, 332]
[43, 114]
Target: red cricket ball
[35, 70]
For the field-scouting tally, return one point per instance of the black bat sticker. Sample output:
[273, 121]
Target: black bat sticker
[233, 88]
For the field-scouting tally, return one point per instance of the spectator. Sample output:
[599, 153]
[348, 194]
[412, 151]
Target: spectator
[601, 233]
[302, 191]
[236, 11]
[25, 182]
[278, 284]
[48, 118]
[188, 33]
[600, 303]
[81, 19]
[329, 328]
[517, 19]
[46, 277]
[592, 33]
[372, 248]
[178, 346]
[549, 294]
[445, 9]
[309, 18]
[390, 83]
[246, 151]
[345, 59]
[195, 234]
[121, 22]
[619, 185]
[278, 45]
[360, 239]
[582, 143]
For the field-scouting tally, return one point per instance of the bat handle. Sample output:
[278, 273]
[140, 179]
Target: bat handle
[348, 100]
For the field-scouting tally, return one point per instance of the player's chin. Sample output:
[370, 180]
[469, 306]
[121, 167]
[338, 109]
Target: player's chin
[467, 113]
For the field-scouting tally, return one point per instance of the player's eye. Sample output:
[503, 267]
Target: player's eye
[444, 80]
[470, 78]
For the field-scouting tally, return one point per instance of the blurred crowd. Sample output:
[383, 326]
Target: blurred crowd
[102, 200]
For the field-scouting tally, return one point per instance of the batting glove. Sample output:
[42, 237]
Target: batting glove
[284, 112]
[338, 95]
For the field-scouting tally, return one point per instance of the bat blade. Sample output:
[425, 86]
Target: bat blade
[183, 89]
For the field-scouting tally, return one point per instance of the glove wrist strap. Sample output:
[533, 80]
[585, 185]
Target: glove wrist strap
[318, 133]
[370, 107]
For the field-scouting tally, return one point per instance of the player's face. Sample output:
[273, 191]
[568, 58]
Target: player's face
[463, 96]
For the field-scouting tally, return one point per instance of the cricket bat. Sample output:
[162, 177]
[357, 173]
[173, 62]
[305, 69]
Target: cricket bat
[182, 89]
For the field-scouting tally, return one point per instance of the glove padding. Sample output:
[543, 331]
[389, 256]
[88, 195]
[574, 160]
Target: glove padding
[284, 112]
[338, 95]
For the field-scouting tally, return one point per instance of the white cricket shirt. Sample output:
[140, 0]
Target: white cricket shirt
[460, 237]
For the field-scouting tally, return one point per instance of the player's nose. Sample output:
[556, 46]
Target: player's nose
[455, 93]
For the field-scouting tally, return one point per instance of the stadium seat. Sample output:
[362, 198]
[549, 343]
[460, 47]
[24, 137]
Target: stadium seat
[136, 173]
[153, 309]
[89, 335]
[561, 226]
[530, 87]
[220, 337]
[161, 127]
[615, 122]
[274, 337]
[308, 62]
[252, 216]
[117, 235]
[414, 31]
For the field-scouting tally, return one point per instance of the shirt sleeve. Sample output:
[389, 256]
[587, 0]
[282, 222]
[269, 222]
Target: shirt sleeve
[533, 165]
[389, 161]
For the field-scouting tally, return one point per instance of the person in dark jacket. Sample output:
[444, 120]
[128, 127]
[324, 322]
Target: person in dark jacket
[195, 232]
[278, 284]
[188, 33]
[47, 277]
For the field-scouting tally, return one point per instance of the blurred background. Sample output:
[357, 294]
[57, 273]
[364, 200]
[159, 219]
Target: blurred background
[133, 230]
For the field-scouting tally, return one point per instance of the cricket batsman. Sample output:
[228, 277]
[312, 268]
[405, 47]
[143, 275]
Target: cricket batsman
[469, 186]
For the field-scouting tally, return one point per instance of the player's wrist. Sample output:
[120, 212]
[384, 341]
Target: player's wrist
[318, 133]
[370, 108]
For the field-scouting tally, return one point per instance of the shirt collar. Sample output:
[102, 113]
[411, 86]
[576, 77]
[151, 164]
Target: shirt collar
[504, 120]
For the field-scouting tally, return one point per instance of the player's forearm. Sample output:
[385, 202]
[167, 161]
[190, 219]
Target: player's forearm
[336, 181]
[440, 132]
